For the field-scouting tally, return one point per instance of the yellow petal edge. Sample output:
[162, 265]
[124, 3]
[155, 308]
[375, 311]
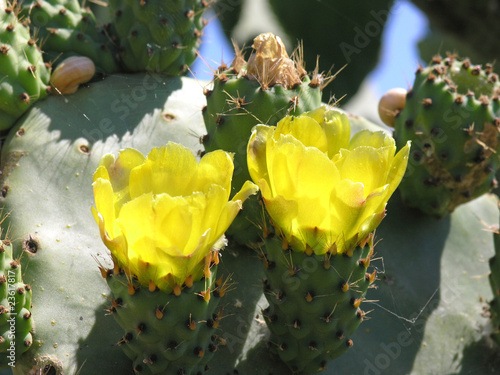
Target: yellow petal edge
[163, 216]
[323, 190]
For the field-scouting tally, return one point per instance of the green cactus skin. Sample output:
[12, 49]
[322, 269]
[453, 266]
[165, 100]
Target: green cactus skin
[65, 29]
[451, 117]
[235, 105]
[164, 333]
[158, 36]
[313, 303]
[494, 278]
[24, 77]
[16, 321]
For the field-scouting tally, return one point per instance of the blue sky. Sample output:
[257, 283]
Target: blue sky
[399, 55]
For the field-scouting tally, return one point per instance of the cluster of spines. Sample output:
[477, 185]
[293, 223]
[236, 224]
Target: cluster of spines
[167, 333]
[318, 322]
[454, 132]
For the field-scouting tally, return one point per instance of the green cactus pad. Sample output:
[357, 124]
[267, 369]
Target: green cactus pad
[313, 303]
[65, 29]
[165, 333]
[451, 117]
[16, 321]
[158, 36]
[24, 78]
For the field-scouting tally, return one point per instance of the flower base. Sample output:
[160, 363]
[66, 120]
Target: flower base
[166, 333]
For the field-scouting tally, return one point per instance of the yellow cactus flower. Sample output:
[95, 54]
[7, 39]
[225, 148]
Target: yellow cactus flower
[323, 190]
[161, 215]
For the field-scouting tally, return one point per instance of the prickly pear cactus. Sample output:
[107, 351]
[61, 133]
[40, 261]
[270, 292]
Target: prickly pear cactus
[16, 322]
[66, 29]
[156, 35]
[452, 118]
[263, 90]
[24, 77]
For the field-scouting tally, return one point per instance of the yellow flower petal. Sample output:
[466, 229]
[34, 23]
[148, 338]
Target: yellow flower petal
[305, 128]
[317, 114]
[377, 139]
[398, 168]
[346, 207]
[366, 165]
[284, 214]
[102, 172]
[338, 131]
[103, 192]
[137, 220]
[256, 151]
[169, 169]
[248, 188]
[215, 168]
